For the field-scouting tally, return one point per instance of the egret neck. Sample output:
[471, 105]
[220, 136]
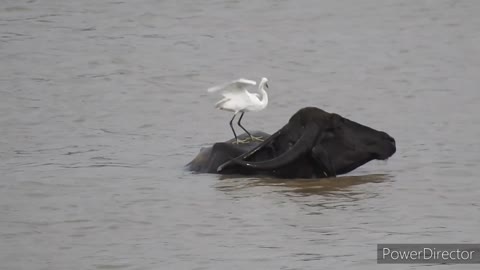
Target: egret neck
[261, 88]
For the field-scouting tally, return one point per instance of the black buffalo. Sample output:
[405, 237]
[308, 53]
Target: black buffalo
[313, 144]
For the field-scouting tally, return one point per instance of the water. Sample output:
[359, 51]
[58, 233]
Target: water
[103, 102]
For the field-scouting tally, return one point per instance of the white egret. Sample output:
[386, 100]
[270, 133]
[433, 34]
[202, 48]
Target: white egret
[237, 99]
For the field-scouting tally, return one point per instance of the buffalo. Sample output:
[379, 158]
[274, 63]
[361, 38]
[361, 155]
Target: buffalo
[313, 144]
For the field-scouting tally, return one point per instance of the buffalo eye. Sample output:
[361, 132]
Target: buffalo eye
[330, 130]
[329, 133]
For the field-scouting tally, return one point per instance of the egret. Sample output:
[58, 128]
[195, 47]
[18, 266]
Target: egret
[237, 99]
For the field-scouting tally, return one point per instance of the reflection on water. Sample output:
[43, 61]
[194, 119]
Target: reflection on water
[301, 187]
[313, 196]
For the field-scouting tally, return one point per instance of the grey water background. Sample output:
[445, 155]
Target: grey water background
[103, 102]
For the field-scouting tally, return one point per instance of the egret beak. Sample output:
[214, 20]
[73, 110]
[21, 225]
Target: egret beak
[266, 85]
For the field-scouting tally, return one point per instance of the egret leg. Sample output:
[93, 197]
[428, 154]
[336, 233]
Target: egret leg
[237, 141]
[253, 138]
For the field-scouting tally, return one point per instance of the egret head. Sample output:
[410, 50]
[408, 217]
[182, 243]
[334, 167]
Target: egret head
[264, 82]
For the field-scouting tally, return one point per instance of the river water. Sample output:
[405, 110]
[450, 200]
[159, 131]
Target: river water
[103, 103]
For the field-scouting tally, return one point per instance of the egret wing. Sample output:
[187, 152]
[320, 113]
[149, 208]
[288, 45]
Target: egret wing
[234, 86]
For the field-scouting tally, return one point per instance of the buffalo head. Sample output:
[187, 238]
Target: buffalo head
[312, 144]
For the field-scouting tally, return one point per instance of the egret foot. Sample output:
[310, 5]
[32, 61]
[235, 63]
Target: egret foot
[238, 141]
[258, 139]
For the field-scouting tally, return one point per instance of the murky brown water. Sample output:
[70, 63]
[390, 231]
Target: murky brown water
[103, 102]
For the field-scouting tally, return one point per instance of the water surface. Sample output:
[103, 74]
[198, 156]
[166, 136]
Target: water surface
[103, 102]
